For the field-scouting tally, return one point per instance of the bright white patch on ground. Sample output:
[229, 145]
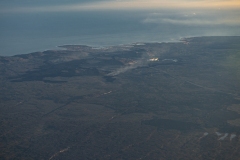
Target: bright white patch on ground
[108, 92]
[232, 136]
[218, 133]
[139, 44]
[153, 59]
[204, 135]
[57, 153]
[223, 137]
[174, 60]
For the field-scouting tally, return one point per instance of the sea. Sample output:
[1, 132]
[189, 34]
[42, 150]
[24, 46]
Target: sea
[22, 33]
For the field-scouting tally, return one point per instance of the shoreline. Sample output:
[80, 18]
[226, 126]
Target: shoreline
[63, 46]
[96, 42]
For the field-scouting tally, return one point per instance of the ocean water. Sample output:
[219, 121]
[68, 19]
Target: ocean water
[22, 33]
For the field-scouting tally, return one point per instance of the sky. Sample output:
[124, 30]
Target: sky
[83, 5]
[228, 8]
[188, 12]
[25, 23]
[177, 12]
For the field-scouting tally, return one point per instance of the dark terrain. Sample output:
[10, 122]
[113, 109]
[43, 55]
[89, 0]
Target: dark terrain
[167, 101]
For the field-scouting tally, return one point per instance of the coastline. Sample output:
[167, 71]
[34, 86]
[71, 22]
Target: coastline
[97, 46]
[39, 45]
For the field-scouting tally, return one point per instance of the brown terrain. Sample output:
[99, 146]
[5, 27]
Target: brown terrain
[166, 101]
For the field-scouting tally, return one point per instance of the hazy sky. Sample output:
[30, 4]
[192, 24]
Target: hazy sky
[31, 25]
[179, 12]
[82, 5]
[189, 12]
[183, 12]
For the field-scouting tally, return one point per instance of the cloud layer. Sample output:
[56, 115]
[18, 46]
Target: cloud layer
[199, 18]
[130, 5]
